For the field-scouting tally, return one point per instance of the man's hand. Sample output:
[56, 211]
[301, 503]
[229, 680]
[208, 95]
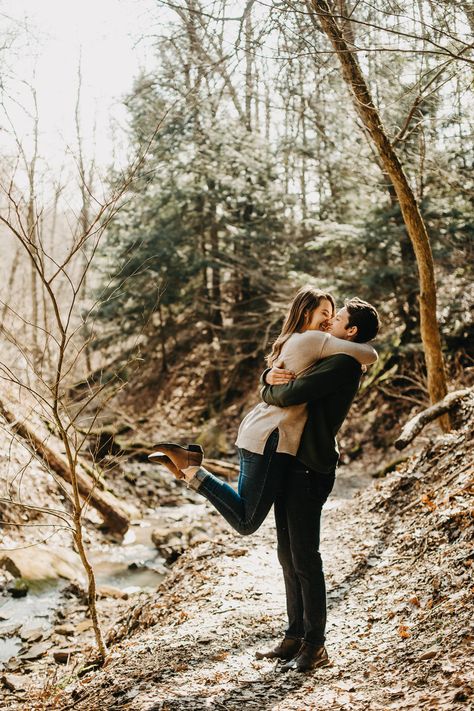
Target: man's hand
[328, 376]
[279, 376]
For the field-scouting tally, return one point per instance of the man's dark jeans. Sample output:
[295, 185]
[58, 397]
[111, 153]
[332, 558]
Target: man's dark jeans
[260, 478]
[298, 506]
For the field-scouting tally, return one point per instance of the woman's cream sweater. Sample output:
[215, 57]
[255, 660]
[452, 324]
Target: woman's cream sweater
[299, 353]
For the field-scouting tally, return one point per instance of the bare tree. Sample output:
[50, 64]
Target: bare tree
[71, 416]
[86, 178]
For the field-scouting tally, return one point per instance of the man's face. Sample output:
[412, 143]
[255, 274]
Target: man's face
[339, 324]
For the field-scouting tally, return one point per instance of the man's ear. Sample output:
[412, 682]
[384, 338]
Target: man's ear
[351, 332]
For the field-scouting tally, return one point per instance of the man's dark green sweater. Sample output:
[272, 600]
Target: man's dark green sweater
[329, 389]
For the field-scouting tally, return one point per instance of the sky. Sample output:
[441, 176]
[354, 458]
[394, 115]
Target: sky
[111, 40]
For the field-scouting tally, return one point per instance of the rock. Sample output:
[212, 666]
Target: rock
[110, 591]
[130, 695]
[11, 629]
[170, 542]
[62, 656]
[172, 552]
[198, 535]
[158, 568]
[174, 542]
[74, 589]
[42, 563]
[345, 685]
[36, 651]
[163, 536]
[14, 682]
[83, 626]
[65, 630]
[13, 664]
[429, 654]
[19, 588]
[31, 634]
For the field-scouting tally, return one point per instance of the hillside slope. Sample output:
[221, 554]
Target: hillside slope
[398, 558]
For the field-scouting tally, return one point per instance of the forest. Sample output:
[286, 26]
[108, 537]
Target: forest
[152, 240]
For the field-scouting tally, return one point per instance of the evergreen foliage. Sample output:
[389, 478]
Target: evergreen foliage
[200, 240]
[261, 179]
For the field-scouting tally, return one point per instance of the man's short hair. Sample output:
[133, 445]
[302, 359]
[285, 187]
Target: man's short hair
[365, 317]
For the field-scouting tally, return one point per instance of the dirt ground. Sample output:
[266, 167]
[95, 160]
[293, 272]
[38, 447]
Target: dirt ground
[398, 558]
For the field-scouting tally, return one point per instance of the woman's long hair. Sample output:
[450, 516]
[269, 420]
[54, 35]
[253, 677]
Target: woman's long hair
[299, 313]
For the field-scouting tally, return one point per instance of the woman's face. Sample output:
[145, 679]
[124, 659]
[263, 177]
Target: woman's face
[319, 316]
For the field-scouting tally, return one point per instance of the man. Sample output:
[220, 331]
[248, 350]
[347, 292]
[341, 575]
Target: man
[329, 389]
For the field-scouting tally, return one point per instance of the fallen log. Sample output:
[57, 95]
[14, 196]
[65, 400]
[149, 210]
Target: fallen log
[116, 518]
[217, 466]
[139, 450]
[414, 426]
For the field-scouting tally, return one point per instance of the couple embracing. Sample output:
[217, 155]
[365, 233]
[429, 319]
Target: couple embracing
[288, 454]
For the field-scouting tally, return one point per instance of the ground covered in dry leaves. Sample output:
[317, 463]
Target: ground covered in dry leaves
[398, 559]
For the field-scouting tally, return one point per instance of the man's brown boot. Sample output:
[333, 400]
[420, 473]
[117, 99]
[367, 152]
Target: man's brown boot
[181, 457]
[307, 659]
[287, 649]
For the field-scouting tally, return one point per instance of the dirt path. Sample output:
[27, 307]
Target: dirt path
[398, 560]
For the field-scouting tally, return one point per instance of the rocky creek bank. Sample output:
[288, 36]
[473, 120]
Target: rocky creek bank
[44, 620]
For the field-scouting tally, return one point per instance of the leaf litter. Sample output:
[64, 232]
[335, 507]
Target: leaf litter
[398, 560]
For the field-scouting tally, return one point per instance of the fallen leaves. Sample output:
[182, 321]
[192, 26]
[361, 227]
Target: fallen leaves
[403, 631]
[237, 552]
[428, 502]
[220, 656]
[391, 646]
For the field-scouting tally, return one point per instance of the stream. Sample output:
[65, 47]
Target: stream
[132, 566]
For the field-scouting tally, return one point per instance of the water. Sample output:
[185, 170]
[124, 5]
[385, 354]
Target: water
[111, 563]
[132, 565]
[9, 647]
[39, 606]
[36, 610]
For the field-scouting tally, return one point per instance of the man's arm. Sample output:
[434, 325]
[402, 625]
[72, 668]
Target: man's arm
[328, 376]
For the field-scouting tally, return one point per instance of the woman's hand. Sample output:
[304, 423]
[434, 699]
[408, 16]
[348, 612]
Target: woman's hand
[279, 376]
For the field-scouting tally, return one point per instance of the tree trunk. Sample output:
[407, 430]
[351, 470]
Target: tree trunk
[415, 225]
[84, 217]
[216, 308]
[31, 227]
[302, 118]
[104, 502]
[164, 356]
[407, 291]
[248, 67]
[468, 8]
[10, 286]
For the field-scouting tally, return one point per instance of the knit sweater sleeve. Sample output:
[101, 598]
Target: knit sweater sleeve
[303, 350]
[362, 352]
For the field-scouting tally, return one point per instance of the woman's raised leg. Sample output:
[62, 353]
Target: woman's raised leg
[260, 474]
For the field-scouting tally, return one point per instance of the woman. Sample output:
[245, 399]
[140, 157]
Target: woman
[268, 436]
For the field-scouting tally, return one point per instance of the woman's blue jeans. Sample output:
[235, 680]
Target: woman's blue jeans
[259, 480]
